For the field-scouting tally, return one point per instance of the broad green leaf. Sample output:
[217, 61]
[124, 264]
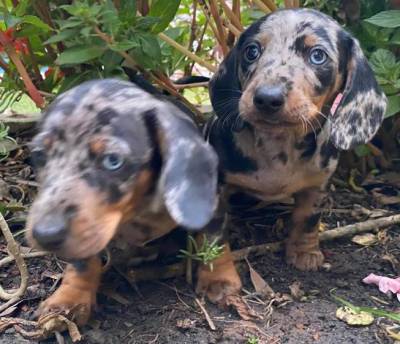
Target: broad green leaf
[36, 21]
[384, 63]
[150, 47]
[20, 10]
[63, 35]
[127, 11]
[124, 45]
[395, 38]
[389, 19]
[109, 18]
[73, 80]
[81, 9]
[165, 10]
[393, 105]
[80, 54]
[144, 24]
[69, 23]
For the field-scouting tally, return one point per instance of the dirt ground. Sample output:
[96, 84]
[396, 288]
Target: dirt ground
[166, 312]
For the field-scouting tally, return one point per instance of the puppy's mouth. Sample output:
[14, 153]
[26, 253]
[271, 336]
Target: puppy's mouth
[280, 119]
[82, 241]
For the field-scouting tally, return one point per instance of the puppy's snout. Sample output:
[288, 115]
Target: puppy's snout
[269, 99]
[50, 232]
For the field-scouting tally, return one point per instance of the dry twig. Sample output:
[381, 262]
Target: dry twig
[178, 269]
[14, 250]
[35, 254]
[186, 52]
[231, 16]
[207, 316]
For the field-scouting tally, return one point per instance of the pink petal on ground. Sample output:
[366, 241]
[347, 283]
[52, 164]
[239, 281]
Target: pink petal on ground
[385, 284]
[371, 279]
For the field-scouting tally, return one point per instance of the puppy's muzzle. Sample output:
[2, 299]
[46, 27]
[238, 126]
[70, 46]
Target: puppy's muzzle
[269, 99]
[50, 232]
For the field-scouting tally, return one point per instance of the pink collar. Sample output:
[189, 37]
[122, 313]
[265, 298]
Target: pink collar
[336, 103]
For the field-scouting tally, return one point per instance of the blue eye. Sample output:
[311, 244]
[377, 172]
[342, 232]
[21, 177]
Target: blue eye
[112, 161]
[253, 52]
[318, 56]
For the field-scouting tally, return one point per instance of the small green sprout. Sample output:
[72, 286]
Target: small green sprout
[4, 151]
[206, 253]
[252, 340]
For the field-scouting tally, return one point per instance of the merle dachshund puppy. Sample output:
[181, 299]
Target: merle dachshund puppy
[294, 91]
[116, 166]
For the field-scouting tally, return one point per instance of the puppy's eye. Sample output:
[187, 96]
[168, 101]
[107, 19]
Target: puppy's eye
[318, 56]
[252, 52]
[112, 161]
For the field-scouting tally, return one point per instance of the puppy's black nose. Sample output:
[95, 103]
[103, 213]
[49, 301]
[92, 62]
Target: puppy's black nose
[269, 99]
[50, 233]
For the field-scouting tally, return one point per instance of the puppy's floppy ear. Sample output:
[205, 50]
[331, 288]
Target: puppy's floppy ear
[363, 104]
[225, 88]
[189, 172]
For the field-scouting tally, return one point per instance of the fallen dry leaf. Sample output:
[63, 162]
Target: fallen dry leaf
[390, 197]
[353, 318]
[385, 284]
[366, 239]
[259, 284]
[185, 323]
[45, 327]
[295, 290]
[242, 308]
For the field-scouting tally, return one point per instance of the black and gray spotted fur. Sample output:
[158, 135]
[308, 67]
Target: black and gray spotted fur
[159, 145]
[284, 153]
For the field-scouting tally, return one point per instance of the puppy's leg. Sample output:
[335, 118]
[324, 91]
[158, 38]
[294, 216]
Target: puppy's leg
[302, 246]
[221, 279]
[77, 292]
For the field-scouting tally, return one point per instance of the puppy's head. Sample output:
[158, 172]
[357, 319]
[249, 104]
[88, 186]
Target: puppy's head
[289, 68]
[102, 147]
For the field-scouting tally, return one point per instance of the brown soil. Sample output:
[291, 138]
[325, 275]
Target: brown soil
[166, 312]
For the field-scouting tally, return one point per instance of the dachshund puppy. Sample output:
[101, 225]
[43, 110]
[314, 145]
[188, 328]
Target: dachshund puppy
[294, 91]
[116, 163]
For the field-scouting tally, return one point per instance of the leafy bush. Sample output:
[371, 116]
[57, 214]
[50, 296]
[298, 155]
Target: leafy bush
[47, 47]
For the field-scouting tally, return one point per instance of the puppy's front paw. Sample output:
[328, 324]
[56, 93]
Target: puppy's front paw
[75, 303]
[218, 283]
[304, 260]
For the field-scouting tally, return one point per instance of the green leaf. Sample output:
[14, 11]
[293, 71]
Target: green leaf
[62, 36]
[124, 45]
[384, 64]
[109, 18]
[80, 54]
[73, 80]
[395, 38]
[166, 11]
[36, 21]
[393, 105]
[69, 23]
[145, 23]
[127, 11]
[389, 19]
[20, 10]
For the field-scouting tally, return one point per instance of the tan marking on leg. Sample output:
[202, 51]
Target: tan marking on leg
[222, 281]
[77, 292]
[302, 246]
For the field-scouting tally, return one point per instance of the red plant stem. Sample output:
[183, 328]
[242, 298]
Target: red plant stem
[30, 87]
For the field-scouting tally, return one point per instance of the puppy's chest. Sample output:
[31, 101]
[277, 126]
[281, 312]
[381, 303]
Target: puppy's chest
[284, 164]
